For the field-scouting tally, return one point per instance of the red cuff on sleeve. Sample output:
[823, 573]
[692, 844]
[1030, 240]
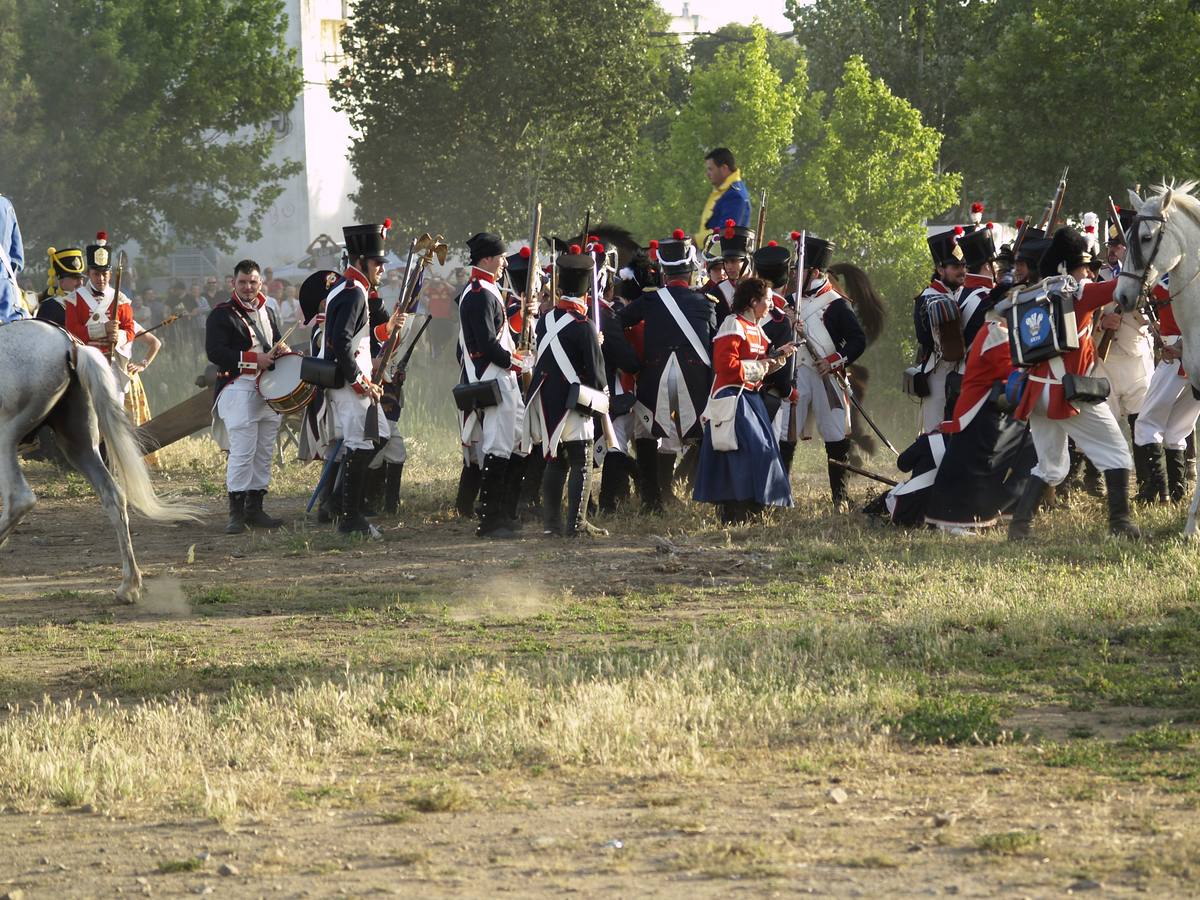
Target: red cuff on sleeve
[248, 361]
[836, 360]
[381, 332]
[360, 385]
[516, 322]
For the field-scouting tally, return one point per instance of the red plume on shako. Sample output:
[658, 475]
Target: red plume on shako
[574, 249]
[795, 235]
[976, 212]
[653, 249]
[678, 234]
[729, 226]
[525, 253]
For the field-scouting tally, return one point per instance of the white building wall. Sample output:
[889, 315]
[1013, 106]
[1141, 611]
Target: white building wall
[316, 200]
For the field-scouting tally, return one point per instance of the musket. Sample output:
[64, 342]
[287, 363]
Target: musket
[163, 324]
[112, 313]
[1020, 238]
[428, 247]
[1104, 345]
[610, 434]
[531, 278]
[1056, 204]
[866, 418]
[793, 425]
[762, 222]
[587, 226]
[865, 473]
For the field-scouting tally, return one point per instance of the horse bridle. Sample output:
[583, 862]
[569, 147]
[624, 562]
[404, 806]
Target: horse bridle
[1134, 247]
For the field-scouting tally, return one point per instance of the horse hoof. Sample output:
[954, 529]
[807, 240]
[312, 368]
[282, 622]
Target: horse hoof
[129, 595]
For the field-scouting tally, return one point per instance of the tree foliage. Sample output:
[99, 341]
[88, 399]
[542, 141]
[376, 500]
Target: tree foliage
[148, 121]
[1114, 96]
[918, 47]
[467, 112]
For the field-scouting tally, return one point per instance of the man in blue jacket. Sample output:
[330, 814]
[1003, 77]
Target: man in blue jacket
[729, 199]
[12, 258]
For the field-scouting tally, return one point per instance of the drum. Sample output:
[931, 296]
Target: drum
[281, 386]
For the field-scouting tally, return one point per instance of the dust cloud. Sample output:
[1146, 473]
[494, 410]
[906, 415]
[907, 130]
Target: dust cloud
[163, 595]
[501, 596]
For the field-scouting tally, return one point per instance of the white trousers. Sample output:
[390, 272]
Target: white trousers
[393, 451]
[813, 410]
[1129, 378]
[497, 430]
[349, 411]
[933, 407]
[250, 426]
[1169, 411]
[1094, 430]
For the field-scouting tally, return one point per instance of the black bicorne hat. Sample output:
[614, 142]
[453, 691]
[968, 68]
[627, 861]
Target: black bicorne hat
[978, 247]
[771, 262]
[483, 245]
[366, 240]
[1115, 234]
[1068, 250]
[314, 290]
[945, 247]
[99, 255]
[736, 242]
[575, 272]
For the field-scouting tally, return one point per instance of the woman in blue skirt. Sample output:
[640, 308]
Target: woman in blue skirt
[740, 468]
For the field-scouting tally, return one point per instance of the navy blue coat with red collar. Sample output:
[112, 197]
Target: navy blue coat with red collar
[228, 339]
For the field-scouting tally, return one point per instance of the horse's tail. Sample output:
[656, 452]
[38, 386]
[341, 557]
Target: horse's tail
[120, 441]
[868, 305]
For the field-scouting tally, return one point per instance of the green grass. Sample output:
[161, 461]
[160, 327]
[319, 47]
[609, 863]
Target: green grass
[1008, 843]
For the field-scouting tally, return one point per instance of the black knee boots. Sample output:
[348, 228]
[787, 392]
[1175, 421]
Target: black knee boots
[237, 512]
[614, 481]
[1177, 474]
[579, 473]
[514, 481]
[493, 523]
[391, 488]
[646, 450]
[787, 453]
[1120, 523]
[1025, 509]
[468, 490]
[1152, 486]
[354, 484]
[839, 476]
[255, 517]
[554, 479]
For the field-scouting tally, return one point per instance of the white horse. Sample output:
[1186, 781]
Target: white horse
[1164, 239]
[46, 378]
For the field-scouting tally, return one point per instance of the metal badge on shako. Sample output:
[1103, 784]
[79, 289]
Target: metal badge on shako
[100, 257]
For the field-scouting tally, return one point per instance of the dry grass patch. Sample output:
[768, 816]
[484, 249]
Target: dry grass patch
[734, 859]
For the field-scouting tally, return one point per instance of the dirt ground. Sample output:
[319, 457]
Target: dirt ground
[888, 819]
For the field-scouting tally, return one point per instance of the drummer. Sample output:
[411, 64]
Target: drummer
[242, 339]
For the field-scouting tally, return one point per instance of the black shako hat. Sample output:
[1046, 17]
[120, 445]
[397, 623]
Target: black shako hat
[1068, 250]
[675, 254]
[1116, 232]
[518, 269]
[483, 245]
[575, 272]
[978, 247]
[771, 262]
[99, 255]
[818, 252]
[736, 242]
[945, 247]
[366, 240]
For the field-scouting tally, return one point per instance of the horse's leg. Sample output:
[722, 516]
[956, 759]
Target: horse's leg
[18, 497]
[1189, 530]
[71, 422]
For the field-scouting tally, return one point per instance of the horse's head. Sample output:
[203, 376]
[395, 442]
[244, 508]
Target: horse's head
[1153, 249]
